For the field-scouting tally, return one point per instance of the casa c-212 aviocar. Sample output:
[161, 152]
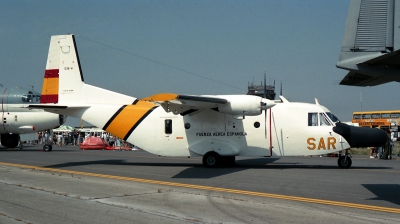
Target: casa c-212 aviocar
[215, 127]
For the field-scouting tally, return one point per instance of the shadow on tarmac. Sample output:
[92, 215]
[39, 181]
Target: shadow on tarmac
[385, 192]
[198, 171]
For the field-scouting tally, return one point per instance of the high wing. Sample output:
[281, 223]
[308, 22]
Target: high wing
[240, 105]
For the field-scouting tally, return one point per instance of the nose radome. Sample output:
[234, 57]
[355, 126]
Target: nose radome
[361, 137]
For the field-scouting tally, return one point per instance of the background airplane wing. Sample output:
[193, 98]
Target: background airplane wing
[371, 45]
[55, 108]
[387, 62]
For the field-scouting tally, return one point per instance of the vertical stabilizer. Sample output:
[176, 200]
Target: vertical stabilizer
[63, 80]
[371, 43]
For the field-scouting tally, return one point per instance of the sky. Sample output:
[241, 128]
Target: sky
[208, 47]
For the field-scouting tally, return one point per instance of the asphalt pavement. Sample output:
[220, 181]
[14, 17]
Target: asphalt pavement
[69, 185]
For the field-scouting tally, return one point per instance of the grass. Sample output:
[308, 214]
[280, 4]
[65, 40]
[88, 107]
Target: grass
[365, 151]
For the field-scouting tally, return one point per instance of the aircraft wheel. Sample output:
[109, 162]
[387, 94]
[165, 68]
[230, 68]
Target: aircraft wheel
[344, 162]
[47, 148]
[211, 159]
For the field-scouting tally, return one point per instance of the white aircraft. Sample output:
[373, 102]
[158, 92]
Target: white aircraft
[215, 127]
[17, 123]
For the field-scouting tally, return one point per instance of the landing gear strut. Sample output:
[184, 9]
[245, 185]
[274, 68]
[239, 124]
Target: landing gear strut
[344, 161]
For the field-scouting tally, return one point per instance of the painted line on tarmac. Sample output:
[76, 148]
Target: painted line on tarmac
[208, 188]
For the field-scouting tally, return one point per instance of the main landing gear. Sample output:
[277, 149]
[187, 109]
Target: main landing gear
[213, 159]
[47, 147]
[344, 161]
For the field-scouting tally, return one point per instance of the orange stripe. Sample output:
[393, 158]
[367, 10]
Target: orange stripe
[128, 117]
[161, 97]
[50, 86]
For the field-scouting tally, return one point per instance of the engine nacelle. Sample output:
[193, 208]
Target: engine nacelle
[9, 140]
[245, 105]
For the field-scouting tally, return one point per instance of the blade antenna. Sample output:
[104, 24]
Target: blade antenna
[265, 86]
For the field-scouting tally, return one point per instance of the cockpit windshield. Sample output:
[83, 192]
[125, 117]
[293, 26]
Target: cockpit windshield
[31, 98]
[318, 119]
[323, 121]
[333, 118]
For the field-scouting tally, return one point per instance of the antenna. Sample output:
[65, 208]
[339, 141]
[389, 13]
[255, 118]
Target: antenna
[265, 86]
[360, 101]
[281, 88]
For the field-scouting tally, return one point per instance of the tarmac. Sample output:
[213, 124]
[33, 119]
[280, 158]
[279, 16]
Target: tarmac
[63, 187]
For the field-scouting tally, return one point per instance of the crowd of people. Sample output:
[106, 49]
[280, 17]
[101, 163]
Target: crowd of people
[75, 138]
[59, 138]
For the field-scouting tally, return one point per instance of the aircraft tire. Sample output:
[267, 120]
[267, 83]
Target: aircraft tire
[344, 163]
[47, 148]
[211, 159]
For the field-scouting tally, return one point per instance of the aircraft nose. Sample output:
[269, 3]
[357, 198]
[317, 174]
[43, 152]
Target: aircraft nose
[361, 137]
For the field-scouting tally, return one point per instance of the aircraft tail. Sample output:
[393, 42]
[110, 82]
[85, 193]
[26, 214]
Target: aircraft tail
[371, 43]
[63, 81]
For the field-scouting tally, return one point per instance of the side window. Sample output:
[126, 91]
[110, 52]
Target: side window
[366, 116]
[376, 116]
[168, 126]
[312, 119]
[356, 116]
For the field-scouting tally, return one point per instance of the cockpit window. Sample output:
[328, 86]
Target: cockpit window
[333, 118]
[312, 119]
[323, 121]
[319, 119]
[31, 98]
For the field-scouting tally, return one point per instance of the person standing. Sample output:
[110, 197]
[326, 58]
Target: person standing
[46, 137]
[40, 138]
[387, 147]
[75, 138]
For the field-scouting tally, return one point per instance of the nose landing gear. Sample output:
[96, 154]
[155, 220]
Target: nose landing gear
[344, 162]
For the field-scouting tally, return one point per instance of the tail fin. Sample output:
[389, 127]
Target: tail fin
[63, 80]
[371, 43]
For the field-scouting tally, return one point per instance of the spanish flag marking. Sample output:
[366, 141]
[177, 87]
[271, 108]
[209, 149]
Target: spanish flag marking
[50, 86]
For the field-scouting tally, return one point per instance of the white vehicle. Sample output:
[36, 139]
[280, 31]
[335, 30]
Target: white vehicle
[217, 127]
[19, 123]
